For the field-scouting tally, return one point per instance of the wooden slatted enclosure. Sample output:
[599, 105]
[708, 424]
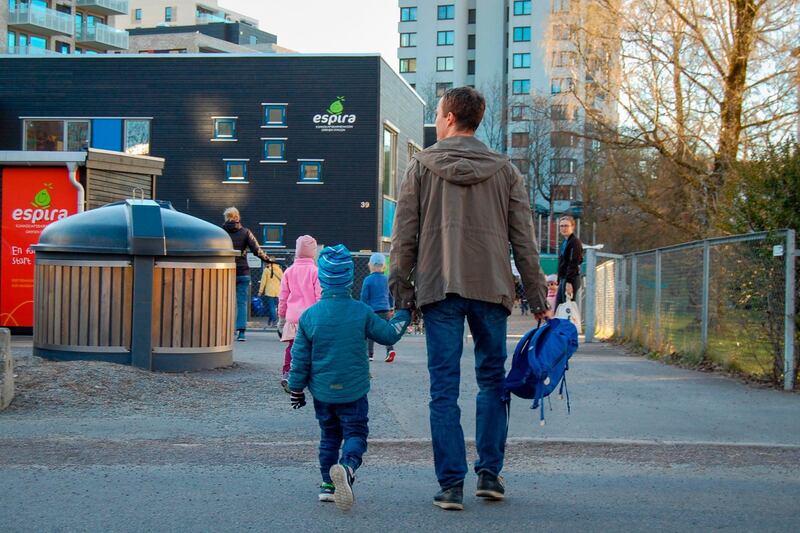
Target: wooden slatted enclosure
[193, 306]
[83, 305]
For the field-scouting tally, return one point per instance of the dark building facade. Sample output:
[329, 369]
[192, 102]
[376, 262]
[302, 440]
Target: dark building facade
[232, 32]
[301, 144]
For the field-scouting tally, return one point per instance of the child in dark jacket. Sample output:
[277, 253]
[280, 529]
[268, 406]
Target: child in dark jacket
[328, 357]
[375, 293]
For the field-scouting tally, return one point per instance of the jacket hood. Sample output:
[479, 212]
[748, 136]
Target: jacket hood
[462, 160]
[232, 227]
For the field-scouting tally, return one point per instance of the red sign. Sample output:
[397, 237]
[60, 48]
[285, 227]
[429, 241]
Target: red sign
[32, 199]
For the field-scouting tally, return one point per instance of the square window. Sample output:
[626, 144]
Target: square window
[446, 12]
[408, 14]
[273, 234]
[471, 41]
[522, 7]
[522, 34]
[137, 137]
[522, 60]
[470, 67]
[408, 40]
[225, 128]
[521, 87]
[445, 38]
[519, 139]
[274, 114]
[77, 135]
[236, 170]
[442, 88]
[408, 65]
[137, 15]
[519, 112]
[523, 165]
[311, 171]
[274, 149]
[560, 6]
[444, 64]
[471, 16]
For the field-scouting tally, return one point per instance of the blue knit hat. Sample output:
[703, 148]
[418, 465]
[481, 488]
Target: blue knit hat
[377, 259]
[335, 267]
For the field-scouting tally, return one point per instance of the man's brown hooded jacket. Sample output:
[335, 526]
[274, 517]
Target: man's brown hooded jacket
[459, 208]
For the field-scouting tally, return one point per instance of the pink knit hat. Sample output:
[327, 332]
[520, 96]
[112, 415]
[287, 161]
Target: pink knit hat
[306, 247]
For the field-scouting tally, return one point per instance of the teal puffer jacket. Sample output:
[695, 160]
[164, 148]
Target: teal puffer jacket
[329, 355]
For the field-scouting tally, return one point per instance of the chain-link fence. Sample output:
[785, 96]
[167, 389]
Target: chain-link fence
[727, 301]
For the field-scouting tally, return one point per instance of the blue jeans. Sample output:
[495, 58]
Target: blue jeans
[242, 297]
[342, 425]
[444, 331]
[272, 309]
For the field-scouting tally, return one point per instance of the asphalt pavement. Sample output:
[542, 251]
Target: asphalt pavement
[646, 447]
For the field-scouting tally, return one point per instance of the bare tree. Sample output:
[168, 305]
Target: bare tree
[494, 126]
[699, 83]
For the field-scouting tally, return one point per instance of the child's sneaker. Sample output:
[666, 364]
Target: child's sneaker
[326, 492]
[390, 355]
[343, 479]
[285, 385]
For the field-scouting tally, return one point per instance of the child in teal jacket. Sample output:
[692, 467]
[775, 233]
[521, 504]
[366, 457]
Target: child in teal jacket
[329, 357]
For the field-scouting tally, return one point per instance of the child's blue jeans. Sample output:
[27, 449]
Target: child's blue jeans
[342, 426]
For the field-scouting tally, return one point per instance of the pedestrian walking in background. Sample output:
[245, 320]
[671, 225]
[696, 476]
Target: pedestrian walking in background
[375, 293]
[328, 357]
[243, 240]
[299, 290]
[458, 198]
[270, 288]
[570, 257]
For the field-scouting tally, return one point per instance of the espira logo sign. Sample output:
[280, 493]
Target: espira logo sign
[32, 198]
[335, 119]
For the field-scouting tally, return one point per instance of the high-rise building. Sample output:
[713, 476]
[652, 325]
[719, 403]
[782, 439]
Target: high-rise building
[528, 59]
[44, 27]
[150, 13]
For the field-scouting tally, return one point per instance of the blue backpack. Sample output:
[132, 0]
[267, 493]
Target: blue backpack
[540, 363]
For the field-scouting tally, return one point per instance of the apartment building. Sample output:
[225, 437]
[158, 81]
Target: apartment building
[150, 13]
[44, 27]
[524, 56]
[213, 38]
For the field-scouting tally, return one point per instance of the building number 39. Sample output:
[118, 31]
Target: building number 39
[364, 205]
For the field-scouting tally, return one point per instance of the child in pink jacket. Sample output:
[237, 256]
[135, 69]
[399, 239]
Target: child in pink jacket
[299, 290]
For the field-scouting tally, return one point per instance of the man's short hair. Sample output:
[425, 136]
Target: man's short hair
[568, 218]
[467, 104]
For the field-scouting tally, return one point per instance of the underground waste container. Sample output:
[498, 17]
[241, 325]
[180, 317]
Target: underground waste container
[135, 282]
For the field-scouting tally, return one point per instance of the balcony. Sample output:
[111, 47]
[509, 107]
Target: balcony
[31, 51]
[103, 37]
[104, 7]
[207, 18]
[40, 20]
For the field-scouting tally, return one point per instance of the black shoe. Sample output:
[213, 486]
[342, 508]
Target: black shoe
[451, 499]
[343, 479]
[490, 486]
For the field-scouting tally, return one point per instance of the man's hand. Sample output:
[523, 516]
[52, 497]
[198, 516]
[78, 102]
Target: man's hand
[541, 315]
[298, 399]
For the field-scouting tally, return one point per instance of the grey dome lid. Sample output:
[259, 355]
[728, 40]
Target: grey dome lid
[136, 227]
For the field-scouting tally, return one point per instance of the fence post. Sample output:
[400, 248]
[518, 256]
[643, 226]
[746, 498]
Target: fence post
[789, 320]
[658, 300]
[706, 293]
[622, 292]
[634, 305]
[591, 293]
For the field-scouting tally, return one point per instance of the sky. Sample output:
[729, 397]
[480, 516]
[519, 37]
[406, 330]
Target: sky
[327, 26]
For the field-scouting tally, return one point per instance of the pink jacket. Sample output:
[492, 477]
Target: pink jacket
[299, 289]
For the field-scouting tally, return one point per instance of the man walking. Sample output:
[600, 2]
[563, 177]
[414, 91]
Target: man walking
[570, 256]
[460, 206]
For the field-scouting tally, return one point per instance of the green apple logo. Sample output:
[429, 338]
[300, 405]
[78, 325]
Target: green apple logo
[336, 107]
[42, 199]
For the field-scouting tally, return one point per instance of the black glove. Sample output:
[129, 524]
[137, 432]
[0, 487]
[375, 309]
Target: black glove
[298, 399]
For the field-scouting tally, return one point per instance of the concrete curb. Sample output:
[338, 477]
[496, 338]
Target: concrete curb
[6, 369]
